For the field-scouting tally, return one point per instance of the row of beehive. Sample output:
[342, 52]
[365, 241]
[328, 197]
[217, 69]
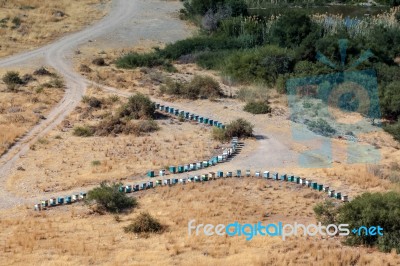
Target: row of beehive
[226, 154]
[52, 202]
[188, 116]
[220, 174]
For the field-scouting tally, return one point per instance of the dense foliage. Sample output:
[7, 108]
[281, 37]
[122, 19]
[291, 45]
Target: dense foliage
[109, 198]
[368, 209]
[144, 223]
[139, 106]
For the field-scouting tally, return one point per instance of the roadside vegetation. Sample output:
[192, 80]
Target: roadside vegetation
[237, 128]
[270, 49]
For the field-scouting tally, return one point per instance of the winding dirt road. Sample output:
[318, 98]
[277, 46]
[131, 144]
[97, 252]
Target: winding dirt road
[151, 20]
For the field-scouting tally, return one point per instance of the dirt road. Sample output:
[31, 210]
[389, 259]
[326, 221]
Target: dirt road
[59, 53]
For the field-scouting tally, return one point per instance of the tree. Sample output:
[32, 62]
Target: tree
[139, 106]
[110, 198]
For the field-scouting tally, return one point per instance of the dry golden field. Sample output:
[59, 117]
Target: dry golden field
[24, 107]
[74, 235]
[26, 24]
[62, 161]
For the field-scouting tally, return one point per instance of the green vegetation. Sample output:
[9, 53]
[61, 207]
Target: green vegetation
[393, 129]
[321, 127]
[237, 128]
[110, 199]
[12, 80]
[144, 223]
[83, 131]
[257, 107]
[368, 209]
[203, 87]
[139, 106]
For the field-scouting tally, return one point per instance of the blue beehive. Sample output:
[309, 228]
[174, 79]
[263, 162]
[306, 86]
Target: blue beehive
[191, 116]
[283, 177]
[248, 173]
[176, 112]
[197, 178]
[291, 178]
[266, 174]
[219, 125]
[181, 169]
[297, 179]
[172, 169]
[215, 160]
[338, 195]
[220, 158]
[157, 106]
[238, 173]
[223, 126]
[150, 174]
[196, 118]
[204, 177]
[205, 121]
[211, 122]
[121, 189]
[137, 187]
[191, 178]
[192, 166]
[162, 107]
[82, 195]
[159, 182]
[151, 184]
[60, 200]
[199, 165]
[167, 109]
[205, 164]
[186, 168]
[68, 199]
[215, 123]
[182, 113]
[210, 162]
[187, 114]
[128, 189]
[276, 176]
[201, 119]
[229, 174]
[320, 187]
[143, 186]
[53, 202]
[314, 185]
[220, 174]
[171, 110]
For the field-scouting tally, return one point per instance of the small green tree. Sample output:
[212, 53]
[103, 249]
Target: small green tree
[257, 107]
[326, 212]
[139, 106]
[110, 198]
[12, 78]
[239, 128]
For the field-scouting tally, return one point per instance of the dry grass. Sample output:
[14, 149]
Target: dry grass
[27, 24]
[63, 161]
[72, 235]
[21, 109]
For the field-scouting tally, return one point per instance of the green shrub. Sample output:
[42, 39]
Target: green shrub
[83, 131]
[99, 61]
[94, 102]
[257, 107]
[373, 209]
[139, 106]
[237, 128]
[367, 209]
[321, 127]
[203, 87]
[326, 212]
[146, 126]
[133, 60]
[393, 129]
[109, 198]
[12, 78]
[96, 163]
[144, 223]
[219, 134]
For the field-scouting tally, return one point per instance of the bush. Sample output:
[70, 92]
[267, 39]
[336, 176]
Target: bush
[133, 60]
[94, 102]
[326, 212]
[12, 78]
[139, 106]
[393, 129]
[109, 198]
[373, 209]
[199, 87]
[115, 126]
[144, 223]
[83, 131]
[42, 71]
[238, 128]
[99, 61]
[146, 126]
[321, 127]
[258, 107]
